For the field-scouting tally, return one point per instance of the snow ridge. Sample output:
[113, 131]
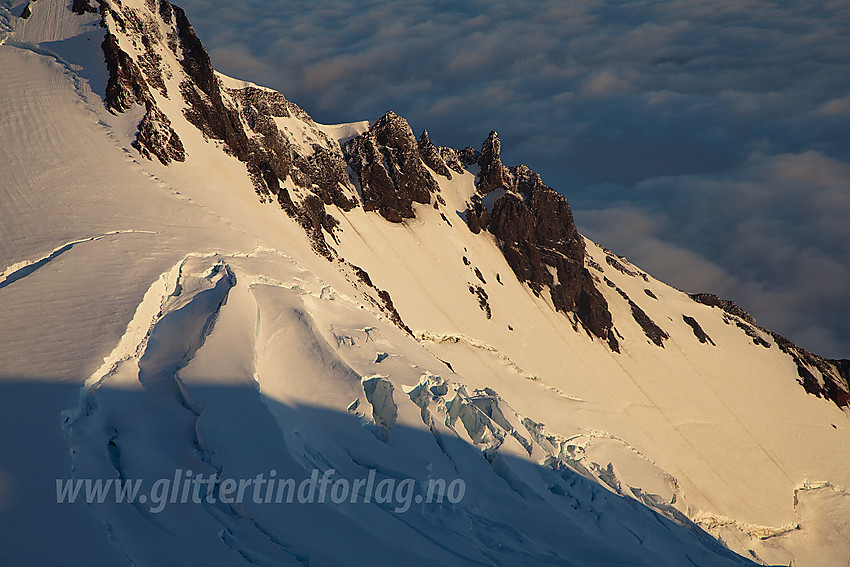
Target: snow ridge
[155, 386]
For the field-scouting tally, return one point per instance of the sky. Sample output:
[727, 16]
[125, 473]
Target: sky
[705, 140]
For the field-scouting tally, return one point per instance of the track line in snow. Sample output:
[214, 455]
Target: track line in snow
[474, 343]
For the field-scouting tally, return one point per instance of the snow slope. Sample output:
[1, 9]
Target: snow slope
[740, 445]
[162, 317]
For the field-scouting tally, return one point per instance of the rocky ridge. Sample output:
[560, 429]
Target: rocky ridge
[243, 120]
[537, 234]
[388, 166]
[834, 381]
[386, 170]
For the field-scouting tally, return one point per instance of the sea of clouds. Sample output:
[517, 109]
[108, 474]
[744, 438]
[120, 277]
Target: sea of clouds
[706, 140]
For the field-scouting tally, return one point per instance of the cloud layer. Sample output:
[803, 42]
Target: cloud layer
[772, 234]
[706, 140]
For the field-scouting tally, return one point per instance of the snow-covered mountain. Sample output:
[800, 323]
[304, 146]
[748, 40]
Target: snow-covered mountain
[199, 277]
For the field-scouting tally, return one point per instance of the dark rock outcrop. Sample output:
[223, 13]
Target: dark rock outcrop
[131, 79]
[835, 373]
[483, 299]
[269, 156]
[80, 7]
[652, 331]
[734, 315]
[539, 239]
[467, 156]
[452, 159]
[432, 157]
[477, 217]
[698, 332]
[620, 267]
[141, 28]
[387, 302]
[751, 331]
[491, 173]
[325, 174]
[594, 264]
[127, 86]
[243, 120]
[726, 305]
[388, 166]
[834, 384]
[205, 108]
[317, 169]
[157, 137]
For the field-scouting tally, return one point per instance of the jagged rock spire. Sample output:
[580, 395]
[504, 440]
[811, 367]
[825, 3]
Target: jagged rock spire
[388, 166]
[538, 236]
[432, 157]
[492, 174]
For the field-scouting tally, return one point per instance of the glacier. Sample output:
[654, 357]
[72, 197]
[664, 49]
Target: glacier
[198, 276]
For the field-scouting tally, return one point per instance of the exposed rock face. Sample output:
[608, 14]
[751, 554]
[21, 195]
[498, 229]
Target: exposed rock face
[835, 374]
[432, 157]
[751, 331]
[839, 391]
[156, 137]
[483, 299]
[319, 167]
[834, 384]
[129, 83]
[201, 91]
[539, 239]
[734, 315]
[80, 7]
[698, 332]
[617, 265]
[467, 156]
[270, 150]
[388, 166]
[452, 158]
[131, 79]
[243, 120]
[272, 158]
[726, 305]
[126, 85]
[477, 216]
[491, 174]
[652, 331]
[387, 306]
[326, 173]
